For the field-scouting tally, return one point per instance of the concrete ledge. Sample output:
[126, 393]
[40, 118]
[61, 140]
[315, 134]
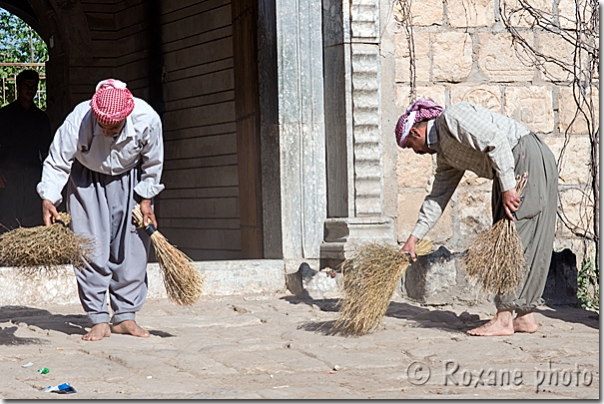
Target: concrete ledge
[242, 277]
[38, 290]
[221, 278]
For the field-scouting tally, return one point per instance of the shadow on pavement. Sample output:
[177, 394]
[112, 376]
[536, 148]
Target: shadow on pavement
[417, 316]
[68, 324]
[321, 327]
[440, 319]
[8, 337]
[571, 314]
[444, 320]
[323, 304]
[160, 334]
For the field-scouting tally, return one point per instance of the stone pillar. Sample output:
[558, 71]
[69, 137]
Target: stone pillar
[301, 130]
[269, 129]
[355, 184]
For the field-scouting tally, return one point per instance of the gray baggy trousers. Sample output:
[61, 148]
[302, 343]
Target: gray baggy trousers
[101, 206]
[535, 220]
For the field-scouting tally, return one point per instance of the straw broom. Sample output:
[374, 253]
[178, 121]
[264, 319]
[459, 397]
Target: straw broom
[495, 259]
[369, 280]
[31, 249]
[181, 279]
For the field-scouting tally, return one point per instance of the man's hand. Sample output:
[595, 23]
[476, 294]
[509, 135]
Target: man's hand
[49, 212]
[2, 180]
[511, 202]
[409, 247]
[147, 210]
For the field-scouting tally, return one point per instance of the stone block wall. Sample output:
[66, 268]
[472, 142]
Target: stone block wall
[464, 53]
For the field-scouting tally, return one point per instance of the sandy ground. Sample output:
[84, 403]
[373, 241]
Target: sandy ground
[278, 347]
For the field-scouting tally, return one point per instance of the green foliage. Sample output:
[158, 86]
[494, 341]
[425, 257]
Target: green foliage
[588, 284]
[19, 43]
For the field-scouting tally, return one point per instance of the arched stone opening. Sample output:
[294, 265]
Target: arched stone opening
[63, 26]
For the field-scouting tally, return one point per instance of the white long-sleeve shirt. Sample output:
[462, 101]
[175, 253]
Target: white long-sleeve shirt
[468, 137]
[80, 137]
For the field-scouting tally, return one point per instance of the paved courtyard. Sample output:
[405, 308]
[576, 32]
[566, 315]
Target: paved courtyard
[279, 347]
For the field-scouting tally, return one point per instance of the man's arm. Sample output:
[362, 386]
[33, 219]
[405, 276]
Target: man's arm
[445, 183]
[410, 246]
[147, 211]
[511, 202]
[152, 165]
[49, 212]
[57, 166]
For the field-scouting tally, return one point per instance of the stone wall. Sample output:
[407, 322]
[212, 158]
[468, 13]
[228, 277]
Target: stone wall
[464, 53]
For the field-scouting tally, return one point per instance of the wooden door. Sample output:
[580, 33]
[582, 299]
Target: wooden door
[247, 110]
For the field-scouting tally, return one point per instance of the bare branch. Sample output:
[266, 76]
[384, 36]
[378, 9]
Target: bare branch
[583, 34]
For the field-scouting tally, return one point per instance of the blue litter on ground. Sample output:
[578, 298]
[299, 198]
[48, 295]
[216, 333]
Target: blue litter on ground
[64, 388]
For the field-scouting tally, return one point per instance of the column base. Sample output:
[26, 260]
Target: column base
[344, 235]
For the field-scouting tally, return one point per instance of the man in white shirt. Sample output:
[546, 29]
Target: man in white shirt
[109, 152]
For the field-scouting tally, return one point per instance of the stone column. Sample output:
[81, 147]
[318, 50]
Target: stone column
[353, 129]
[301, 130]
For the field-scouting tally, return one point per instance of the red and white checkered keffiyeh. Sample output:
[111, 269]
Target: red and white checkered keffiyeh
[112, 102]
[421, 110]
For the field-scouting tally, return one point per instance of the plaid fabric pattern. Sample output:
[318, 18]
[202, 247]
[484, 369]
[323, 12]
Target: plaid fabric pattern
[468, 137]
[112, 102]
[420, 111]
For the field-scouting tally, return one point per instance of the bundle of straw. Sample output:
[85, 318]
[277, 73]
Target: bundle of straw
[495, 259]
[369, 280]
[45, 247]
[181, 279]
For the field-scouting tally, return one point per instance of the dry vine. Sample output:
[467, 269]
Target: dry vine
[582, 33]
[404, 18]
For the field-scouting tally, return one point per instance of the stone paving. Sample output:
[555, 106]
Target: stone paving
[279, 347]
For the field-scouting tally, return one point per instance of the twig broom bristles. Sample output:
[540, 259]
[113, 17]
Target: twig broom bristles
[183, 283]
[369, 280]
[44, 247]
[495, 258]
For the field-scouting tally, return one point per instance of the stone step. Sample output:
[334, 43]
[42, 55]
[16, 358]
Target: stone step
[435, 279]
[439, 279]
[221, 278]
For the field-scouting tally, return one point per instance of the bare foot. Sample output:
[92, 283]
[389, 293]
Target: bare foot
[500, 325]
[525, 323]
[130, 327]
[97, 332]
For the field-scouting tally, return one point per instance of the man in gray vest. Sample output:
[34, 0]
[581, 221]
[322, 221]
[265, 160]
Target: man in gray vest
[469, 137]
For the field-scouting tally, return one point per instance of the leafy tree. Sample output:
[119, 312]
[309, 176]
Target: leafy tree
[19, 43]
